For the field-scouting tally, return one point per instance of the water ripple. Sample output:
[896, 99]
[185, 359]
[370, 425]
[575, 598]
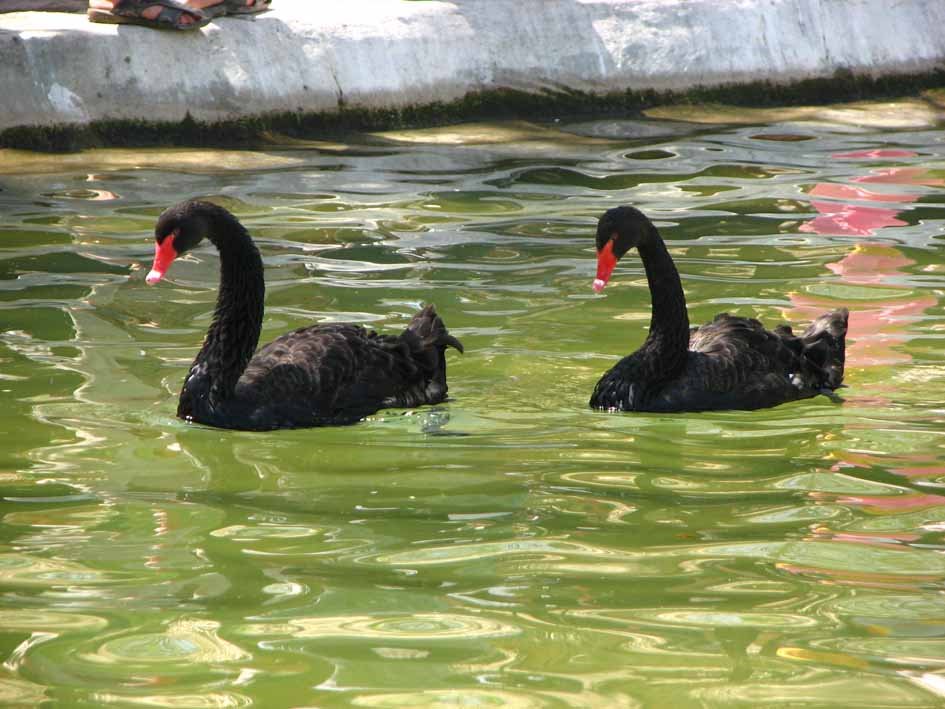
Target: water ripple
[419, 626]
[508, 547]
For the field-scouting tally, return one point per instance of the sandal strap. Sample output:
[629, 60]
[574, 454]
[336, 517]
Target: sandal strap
[170, 14]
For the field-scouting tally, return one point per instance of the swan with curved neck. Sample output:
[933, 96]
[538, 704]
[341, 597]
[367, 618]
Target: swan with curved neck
[313, 376]
[729, 363]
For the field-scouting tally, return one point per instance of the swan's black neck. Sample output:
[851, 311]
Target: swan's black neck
[665, 349]
[237, 320]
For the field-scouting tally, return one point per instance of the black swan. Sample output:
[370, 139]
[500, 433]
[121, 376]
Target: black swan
[729, 363]
[314, 376]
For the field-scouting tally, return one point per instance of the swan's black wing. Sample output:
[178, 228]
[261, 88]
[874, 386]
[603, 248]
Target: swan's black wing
[732, 363]
[339, 373]
[735, 363]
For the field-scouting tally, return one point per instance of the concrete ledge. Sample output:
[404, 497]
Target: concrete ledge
[306, 57]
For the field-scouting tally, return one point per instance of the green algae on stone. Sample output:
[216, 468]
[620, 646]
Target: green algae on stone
[250, 131]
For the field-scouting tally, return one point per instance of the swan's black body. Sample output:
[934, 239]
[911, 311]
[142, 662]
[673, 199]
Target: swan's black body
[314, 376]
[729, 363]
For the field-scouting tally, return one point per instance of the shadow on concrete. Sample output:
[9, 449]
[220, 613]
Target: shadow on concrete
[44, 5]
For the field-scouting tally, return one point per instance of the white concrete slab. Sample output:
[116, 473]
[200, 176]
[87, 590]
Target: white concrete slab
[313, 55]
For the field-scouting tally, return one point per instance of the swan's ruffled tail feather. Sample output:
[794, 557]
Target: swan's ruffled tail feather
[431, 330]
[429, 339]
[825, 345]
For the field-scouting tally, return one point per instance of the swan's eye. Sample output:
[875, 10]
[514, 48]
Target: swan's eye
[169, 235]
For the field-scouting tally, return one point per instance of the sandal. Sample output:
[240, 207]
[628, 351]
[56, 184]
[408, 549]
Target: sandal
[236, 7]
[131, 12]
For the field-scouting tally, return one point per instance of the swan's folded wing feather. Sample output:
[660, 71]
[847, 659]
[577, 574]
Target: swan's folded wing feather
[335, 370]
[741, 356]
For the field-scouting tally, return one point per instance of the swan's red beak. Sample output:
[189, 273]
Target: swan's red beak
[164, 253]
[605, 266]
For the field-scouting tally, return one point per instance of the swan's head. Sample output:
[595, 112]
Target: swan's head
[618, 230]
[179, 229]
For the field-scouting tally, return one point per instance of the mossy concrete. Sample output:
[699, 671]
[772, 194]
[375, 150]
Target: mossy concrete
[311, 68]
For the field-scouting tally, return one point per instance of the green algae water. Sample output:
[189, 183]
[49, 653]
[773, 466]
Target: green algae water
[510, 547]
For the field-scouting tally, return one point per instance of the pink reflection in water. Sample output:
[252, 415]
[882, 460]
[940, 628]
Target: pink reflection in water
[877, 326]
[902, 176]
[893, 503]
[921, 471]
[850, 219]
[889, 540]
[830, 190]
[870, 263]
[878, 153]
